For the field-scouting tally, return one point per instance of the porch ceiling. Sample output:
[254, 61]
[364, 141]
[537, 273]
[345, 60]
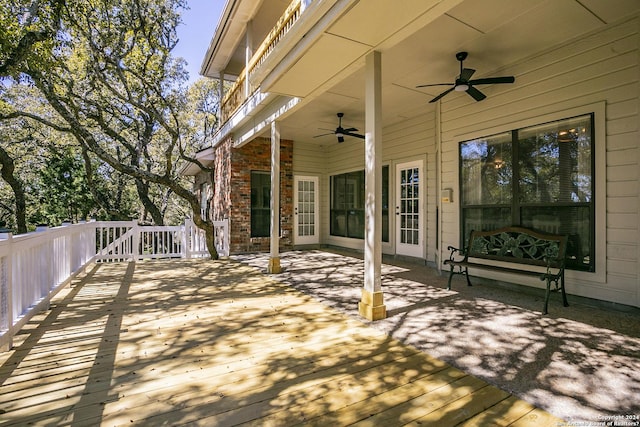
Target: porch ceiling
[418, 45]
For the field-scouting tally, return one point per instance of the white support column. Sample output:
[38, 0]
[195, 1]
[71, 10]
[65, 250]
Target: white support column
[274, 258]
[371, 305]
[248, 53]
[438, 136]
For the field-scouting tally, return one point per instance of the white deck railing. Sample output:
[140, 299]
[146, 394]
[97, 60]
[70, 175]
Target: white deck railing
[35, 266]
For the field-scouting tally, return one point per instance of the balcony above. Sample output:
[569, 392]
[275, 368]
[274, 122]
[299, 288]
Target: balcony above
[314, 53]
[228, 54]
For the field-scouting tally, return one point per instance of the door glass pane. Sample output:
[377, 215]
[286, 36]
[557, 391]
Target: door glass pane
[306, 207]
[409, 202]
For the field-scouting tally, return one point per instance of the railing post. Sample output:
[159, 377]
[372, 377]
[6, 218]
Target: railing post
[185, 239]
[6, 292]
[135, 251]
[47, 270]
[92, 230]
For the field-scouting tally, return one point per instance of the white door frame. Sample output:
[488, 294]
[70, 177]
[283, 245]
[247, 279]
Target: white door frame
[410, 238]
[300, 212]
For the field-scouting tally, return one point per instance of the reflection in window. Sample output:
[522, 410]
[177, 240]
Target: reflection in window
[347, 204]
[539, 177]
[260, 201]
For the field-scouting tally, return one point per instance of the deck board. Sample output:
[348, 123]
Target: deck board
[218, 343]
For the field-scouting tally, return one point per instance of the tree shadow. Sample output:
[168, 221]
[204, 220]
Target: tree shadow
[219, 343]
[579, 362]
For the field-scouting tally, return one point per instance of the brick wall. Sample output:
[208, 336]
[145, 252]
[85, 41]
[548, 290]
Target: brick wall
[232, 191]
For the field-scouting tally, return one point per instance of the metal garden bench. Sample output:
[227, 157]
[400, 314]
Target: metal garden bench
[518, 246]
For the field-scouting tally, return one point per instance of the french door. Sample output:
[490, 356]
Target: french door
[305, 211]
[409, 209]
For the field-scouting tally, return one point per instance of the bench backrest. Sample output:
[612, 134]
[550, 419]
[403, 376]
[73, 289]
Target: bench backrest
[518, 244]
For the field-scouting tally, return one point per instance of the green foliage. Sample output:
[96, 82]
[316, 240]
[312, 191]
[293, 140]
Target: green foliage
[64, 193]
[29, 30]
[108, 76]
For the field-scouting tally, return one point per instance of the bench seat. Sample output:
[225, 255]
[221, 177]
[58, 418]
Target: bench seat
[515, 248]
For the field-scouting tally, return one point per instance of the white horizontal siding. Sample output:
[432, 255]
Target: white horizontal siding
[600, 67]
[409, 140]
[309, 159]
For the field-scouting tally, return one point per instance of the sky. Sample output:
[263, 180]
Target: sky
[195, 32]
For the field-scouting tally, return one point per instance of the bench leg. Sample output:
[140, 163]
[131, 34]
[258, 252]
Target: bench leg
[564, 294]
[451, 273]
[546, 296]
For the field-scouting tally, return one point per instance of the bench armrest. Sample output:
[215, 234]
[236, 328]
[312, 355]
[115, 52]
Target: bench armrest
[455, 251]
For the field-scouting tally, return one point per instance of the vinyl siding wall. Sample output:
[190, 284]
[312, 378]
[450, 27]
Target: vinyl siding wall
[410, 140]
[598, 72]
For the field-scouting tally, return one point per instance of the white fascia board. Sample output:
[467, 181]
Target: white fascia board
[248, 108]
[263, 119]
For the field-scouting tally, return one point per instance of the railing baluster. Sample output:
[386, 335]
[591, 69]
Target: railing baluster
[236, 96]
[35, 266]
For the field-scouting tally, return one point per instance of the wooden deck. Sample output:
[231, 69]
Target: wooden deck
[195, 342]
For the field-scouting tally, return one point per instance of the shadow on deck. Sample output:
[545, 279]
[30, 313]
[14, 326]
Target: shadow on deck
[580, 363]
[218, 343]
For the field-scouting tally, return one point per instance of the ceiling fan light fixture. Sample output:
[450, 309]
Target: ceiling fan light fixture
[464, 82]
[341, 132]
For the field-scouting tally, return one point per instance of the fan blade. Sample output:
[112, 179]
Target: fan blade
[476, 94]
[466, 74]
[349, 130]
[493, 80]
[437, 84]
[442, 94]
[357, 135]
[324, 134]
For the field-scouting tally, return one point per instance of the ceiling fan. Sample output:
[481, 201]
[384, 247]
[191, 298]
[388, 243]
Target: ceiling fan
[463, 84]
[341, 132]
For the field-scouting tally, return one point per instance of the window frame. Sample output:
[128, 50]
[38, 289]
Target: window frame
[360, 201]
[253, 232]
[550, 113]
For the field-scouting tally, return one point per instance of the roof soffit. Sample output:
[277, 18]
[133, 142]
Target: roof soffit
[227, 46]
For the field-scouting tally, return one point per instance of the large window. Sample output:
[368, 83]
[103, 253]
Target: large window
[347, 204]
[260, 201]
[541, 177]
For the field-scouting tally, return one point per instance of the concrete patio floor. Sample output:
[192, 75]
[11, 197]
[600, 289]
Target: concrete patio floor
[580, 363]
[214, 343]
